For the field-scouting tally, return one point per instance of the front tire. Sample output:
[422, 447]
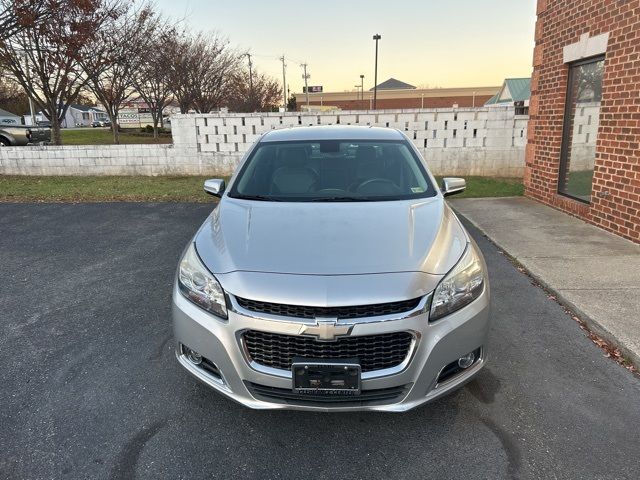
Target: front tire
[4, 142]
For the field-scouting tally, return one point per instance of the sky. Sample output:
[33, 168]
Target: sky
[427, 43]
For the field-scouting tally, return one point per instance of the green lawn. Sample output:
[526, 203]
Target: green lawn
[104, 136]
[478, 187]
[170, 189]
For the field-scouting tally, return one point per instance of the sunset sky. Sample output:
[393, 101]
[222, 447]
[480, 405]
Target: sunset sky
[427, 43]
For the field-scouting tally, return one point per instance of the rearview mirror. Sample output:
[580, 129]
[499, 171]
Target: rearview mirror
[214, 187]
[453, 185]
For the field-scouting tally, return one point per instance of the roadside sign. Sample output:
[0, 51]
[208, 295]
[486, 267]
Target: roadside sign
[312, 89]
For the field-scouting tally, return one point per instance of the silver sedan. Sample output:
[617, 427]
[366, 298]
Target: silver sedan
[332, 276]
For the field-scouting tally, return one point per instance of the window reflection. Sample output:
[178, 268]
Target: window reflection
[581, 123]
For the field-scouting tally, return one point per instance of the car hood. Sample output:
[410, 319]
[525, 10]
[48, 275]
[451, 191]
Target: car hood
[331, 238]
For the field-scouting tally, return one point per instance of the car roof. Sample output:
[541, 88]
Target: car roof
[332, 132]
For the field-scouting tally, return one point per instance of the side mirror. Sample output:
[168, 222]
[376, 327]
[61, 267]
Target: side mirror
[214, 187]
[453, 185]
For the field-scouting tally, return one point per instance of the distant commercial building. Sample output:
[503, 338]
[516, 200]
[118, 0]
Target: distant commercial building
[394, 94]
[77, 115]
[583, 153]
[514, 92]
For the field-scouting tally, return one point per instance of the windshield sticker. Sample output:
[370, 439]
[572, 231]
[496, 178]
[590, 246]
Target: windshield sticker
[417, 189]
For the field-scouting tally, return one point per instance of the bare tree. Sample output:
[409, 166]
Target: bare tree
[264, 96]
[45, 58]
[199, 70]
[182, 68]
[213, 73]
[150, 79]
[112, 67]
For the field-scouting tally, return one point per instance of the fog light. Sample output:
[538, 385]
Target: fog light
[193, 356]
[467, 360]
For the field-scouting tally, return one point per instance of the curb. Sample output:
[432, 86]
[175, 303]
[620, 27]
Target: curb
[591, 325]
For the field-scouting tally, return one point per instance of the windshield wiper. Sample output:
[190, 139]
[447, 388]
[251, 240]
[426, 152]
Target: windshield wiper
[262, 198]
[341, 199]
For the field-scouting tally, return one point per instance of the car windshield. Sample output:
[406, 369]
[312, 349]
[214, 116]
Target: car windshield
[332, 171]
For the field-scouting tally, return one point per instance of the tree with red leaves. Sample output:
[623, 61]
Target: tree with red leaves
[16, 15]
[45, 57]
[260, 93]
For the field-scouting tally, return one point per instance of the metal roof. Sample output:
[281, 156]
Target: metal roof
[519, 89]
[393, 84]
[332, 132]
[84, 108]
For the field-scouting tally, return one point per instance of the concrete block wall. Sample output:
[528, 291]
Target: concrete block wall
[441, 128]
[481, 141]
[113, 160]
[486, 141]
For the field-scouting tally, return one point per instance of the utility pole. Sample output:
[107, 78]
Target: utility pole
[376, 37]
[284, 82]
[306, 77]
[251, 99]
[31, 109]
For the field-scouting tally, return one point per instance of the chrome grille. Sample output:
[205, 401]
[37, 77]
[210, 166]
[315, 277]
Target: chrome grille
[356, 311]
[374, 352]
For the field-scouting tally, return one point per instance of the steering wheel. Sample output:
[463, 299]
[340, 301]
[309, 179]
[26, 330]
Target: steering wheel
[383, 182]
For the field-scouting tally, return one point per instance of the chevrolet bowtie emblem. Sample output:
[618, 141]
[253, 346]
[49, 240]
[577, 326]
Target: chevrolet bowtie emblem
[325, 329]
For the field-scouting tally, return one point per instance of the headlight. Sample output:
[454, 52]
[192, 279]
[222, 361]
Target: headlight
[462, 285]
[199, 285]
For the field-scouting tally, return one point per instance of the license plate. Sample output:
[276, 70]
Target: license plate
[326, 377]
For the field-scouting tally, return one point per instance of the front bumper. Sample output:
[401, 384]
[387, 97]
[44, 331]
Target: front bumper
[435, 346]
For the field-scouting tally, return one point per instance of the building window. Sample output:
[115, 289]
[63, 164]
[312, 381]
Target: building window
[581, 120]
[521, 108]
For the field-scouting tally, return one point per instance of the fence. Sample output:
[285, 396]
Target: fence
[479, 141]
[468, 141]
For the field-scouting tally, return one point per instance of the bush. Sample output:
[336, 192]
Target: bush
[147, 129]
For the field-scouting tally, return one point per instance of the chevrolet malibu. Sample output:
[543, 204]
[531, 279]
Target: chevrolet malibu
[332, 276]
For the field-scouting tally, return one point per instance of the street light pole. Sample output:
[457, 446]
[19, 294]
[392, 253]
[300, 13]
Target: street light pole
[376, 37]
[251, 96]
[284, 82]
[361, 90]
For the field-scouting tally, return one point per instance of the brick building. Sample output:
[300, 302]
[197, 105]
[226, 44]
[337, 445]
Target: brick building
[583, 153]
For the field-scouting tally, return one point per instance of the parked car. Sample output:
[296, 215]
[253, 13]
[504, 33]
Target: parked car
[332, 275]
[20, 135]
[101, 123]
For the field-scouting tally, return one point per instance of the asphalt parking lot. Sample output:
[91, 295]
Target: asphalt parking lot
[91, 388]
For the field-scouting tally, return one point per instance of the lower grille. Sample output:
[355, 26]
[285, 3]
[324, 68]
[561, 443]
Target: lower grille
[374, 352]
[366, 397]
